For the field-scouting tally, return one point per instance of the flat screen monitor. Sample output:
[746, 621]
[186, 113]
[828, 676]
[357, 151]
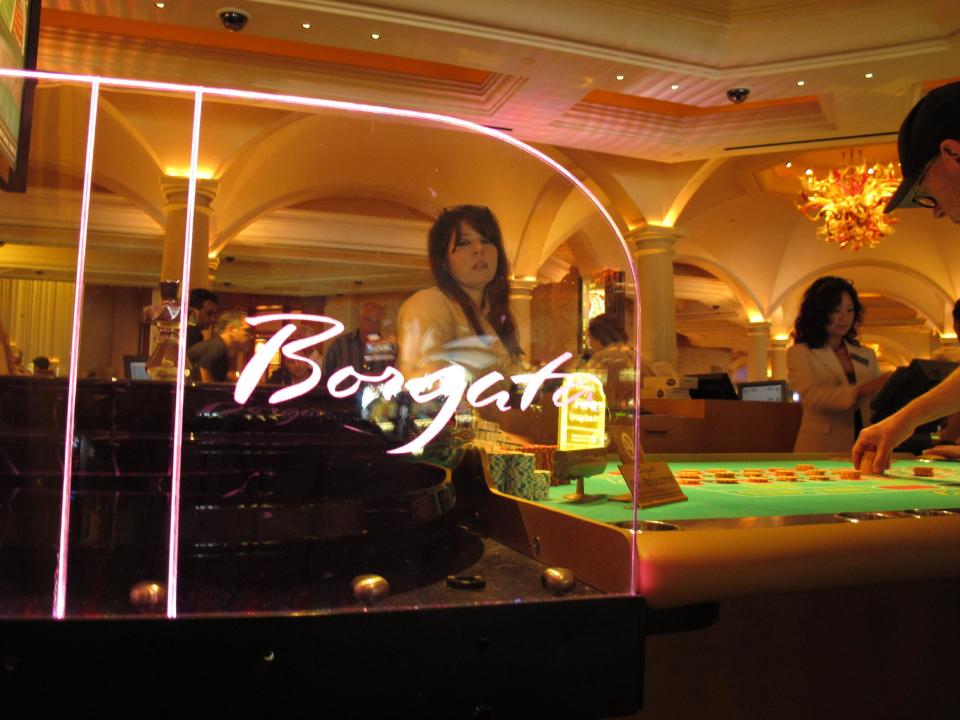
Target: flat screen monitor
[713, 386]
[135, 367]
[763, 391]
[908, 382]
[19, 33]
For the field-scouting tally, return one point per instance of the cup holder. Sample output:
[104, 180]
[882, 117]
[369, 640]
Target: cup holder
[646, 525]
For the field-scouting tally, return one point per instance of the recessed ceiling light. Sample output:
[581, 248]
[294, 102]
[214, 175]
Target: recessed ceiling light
[160, 5]
[619, 77]
[801, 83]
[808, 171]
[868, 75]
[674, 87]
[375, 36]
[305, 26]
[789, 164]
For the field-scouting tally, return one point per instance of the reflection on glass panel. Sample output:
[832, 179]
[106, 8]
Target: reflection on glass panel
[406, 345]
[401, 305]
[39, 231]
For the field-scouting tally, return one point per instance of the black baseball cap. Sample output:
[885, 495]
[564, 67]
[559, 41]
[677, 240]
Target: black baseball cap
[934, 119]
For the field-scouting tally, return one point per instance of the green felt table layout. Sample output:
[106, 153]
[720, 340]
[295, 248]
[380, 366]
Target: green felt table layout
[898, 489]
[748, 538]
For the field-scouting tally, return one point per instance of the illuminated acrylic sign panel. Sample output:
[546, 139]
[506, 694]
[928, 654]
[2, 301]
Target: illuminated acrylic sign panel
[582, 413]
[321, 208]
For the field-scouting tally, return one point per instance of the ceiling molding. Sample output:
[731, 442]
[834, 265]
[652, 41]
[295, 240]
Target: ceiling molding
[681, 110]
[106, 25]
[82, 51]
[475, 28]
[648, 134]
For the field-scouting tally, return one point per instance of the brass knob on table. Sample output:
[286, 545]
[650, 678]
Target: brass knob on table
[369, 589]
[148, 595]
[558, 580]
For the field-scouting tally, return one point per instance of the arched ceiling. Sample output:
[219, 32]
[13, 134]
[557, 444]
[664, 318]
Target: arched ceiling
[549, 69]
[629, 95]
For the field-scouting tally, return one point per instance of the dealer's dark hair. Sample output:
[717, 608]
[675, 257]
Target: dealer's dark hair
[821, 299]
[606, 330]
[496, 294]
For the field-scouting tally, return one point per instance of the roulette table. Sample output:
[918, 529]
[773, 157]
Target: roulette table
[761, 493]
[761, 532]
[829, 597]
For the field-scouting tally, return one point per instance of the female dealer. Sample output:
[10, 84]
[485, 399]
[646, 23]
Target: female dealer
[833, 373]
[465, 319]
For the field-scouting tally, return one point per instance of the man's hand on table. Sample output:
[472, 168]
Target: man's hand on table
[947, 452]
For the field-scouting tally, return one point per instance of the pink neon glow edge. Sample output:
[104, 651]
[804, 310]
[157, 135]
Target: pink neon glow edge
[379, 110]
[60, 581]
[173, 553]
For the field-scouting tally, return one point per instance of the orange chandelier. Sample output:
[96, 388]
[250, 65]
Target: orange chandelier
[850, 203]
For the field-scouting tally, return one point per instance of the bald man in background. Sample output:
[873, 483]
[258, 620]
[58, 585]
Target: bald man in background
[347, 350]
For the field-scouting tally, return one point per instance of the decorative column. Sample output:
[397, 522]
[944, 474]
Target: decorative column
[521, 296]
[778, 358]
[654, 255]
[175, 194]
[758, 339]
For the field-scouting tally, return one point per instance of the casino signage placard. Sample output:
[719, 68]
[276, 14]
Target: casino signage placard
[582, 413]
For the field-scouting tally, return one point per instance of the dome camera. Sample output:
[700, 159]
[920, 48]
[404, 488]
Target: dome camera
[738, 94]
[233, 19]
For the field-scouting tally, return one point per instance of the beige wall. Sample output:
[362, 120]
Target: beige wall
[110, 329]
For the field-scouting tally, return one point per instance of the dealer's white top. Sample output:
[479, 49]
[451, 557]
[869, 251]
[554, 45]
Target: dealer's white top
[433, 332]
[829, 400]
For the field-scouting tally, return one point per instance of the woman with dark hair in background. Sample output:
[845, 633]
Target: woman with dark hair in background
[833, 373]
[465, 319]
[612, 359]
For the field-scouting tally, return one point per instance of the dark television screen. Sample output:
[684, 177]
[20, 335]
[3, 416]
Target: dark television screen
[908, 382]
[713, 386]
[19, 31]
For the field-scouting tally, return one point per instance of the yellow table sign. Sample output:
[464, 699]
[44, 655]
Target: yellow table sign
[583, 411]
[656, 484]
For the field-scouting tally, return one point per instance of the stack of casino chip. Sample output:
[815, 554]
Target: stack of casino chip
[535, 486]
[724, 477]
[520, 467]
[514, 473]
[498, 469]
[688, 477]
[541, 484]
[543, 455]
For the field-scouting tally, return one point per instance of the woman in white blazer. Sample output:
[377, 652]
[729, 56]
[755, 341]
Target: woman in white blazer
[833, 373]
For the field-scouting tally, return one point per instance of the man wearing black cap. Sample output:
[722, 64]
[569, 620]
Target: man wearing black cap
[929, 147]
